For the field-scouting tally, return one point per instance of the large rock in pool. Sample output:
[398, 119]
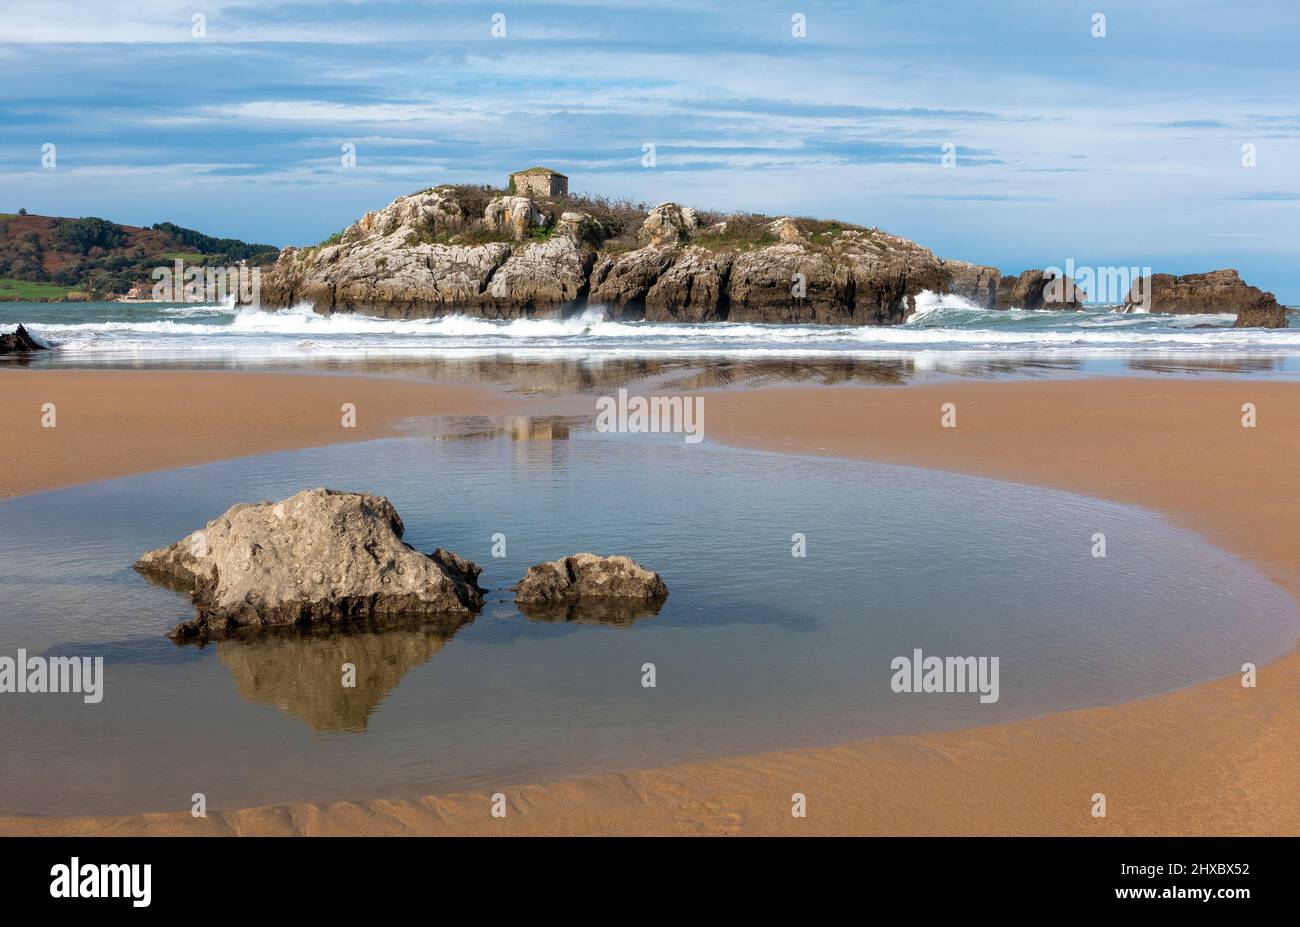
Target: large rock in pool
[613, 589]
[320, 556]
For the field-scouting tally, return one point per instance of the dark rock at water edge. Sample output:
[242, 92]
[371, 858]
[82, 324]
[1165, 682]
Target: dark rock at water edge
[1219, 291]
[1038, 289]
[19, 341]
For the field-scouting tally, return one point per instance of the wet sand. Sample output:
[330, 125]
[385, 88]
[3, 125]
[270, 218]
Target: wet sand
[115, 423]
[1213, 759]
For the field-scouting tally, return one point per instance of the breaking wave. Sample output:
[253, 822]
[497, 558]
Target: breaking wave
[940, 323]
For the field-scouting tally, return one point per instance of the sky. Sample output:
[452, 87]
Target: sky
[1124, 149]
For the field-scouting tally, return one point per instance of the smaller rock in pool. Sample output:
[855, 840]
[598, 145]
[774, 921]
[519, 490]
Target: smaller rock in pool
[586, 579]
[320, 556]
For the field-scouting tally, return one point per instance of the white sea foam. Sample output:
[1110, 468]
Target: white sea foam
[928, 303]
[942, 324]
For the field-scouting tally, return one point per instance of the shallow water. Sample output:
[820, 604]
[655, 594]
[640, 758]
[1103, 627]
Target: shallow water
[753, 650]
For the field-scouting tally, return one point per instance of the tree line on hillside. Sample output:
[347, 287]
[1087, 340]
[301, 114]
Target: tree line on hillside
[96, 256]
[232, 249]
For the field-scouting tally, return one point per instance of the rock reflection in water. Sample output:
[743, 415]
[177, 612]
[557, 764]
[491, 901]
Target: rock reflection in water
[301, 671]
[514, 427]
[1212, 365]
[566, 375]
[621, 613]
[538, 442]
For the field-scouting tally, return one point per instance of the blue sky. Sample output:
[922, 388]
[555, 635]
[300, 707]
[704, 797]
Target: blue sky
[1122, 150]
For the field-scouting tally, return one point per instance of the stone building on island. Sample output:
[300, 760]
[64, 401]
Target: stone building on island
[541, 182]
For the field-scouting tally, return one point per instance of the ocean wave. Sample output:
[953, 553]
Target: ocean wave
[928, 305]
[942, 323]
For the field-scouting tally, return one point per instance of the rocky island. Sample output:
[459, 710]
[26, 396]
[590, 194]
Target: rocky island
[501, 254]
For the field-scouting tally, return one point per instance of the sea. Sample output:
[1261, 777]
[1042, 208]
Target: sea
[946, 336]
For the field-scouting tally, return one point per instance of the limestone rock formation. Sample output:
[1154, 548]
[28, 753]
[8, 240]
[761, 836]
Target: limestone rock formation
[320, 556]
[613, 586]
[580, 227]
[694, 288]
[426, 213]
[390, 277]
[1037, 289]
[669, 224]
[787, 230]
[767, 284]
[887, 273]
[1218, 291]
[404, 261]
[541, 276]
[975, 282]
[626, 280]
[425, 255]
[1261, 315]
[515, 215]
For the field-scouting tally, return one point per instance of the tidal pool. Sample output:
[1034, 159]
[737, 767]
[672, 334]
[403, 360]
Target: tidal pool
[755, 649]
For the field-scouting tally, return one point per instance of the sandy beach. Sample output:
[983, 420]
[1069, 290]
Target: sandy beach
[122, 422]
[1213, 759]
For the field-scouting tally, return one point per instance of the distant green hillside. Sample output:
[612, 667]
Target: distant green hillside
[48, 257]
[232, 249]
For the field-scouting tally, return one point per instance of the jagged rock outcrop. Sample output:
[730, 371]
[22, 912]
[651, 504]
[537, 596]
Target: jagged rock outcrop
[581, 228]
[975, 282]
[787, 231]
[669, 224]
[765, 285]
[540, 276]
[1218, 291]
[886, 275]
[1038, 289]
[860, 277]
[19, 341]
[320, 556]
[407, 261]
[694, 288]
[1261, 315]
[399, 262]
[388, 276]
[427, 213]
[626, 280]
[587, 585]
[514, 215]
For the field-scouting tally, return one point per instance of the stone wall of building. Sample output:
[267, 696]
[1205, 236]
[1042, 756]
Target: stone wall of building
[544, 185]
